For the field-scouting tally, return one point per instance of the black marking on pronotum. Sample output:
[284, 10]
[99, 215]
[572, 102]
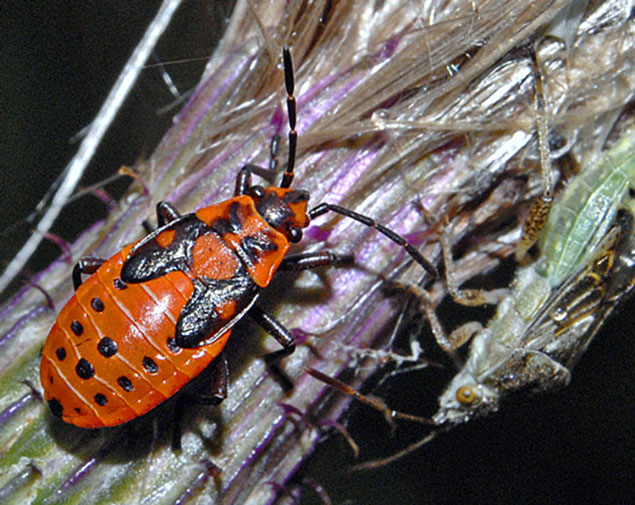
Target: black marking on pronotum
[60, 353]
[78, 410]
[100, 399]
[56, 407]
[125, 383]
[97, 304]
[84, 369]
[77, 328]
[107, 347]
[150, 365]
[254, 247]
[235, 221]
[119, 284]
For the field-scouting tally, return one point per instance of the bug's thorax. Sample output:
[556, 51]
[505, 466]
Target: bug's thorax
[283, 209]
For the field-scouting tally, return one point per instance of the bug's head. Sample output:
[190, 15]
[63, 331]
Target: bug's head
[284, 209]
[464, 399]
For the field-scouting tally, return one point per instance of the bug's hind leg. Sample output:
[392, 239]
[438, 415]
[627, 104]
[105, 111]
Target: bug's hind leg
[214, 389]
[210, 391]
[272, 326]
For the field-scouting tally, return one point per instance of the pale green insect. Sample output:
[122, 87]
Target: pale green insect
[555, 306]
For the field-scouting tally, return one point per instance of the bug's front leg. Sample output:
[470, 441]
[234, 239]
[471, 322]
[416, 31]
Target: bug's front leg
[166, 213]
[87, 265]
[243, 181]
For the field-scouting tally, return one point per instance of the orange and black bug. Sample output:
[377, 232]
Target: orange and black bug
[155, 315]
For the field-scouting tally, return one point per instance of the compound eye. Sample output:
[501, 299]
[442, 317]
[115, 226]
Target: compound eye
[256, 191]
[466, 395]
[295, 234]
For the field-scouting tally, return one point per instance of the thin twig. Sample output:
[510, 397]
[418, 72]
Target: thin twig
[75, 169]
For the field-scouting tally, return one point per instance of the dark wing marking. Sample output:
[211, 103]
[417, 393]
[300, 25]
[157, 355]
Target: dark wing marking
[199, 322]
[148, 259]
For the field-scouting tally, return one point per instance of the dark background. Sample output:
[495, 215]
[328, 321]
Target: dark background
[58, 62]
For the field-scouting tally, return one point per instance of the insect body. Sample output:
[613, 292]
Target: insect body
[156, 314]
[556, 305]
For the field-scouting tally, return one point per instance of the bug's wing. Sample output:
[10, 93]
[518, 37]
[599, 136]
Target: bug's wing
[214, 307]
[577, 308]
[165, 250]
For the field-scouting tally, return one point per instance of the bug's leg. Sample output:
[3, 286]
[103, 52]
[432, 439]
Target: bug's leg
[147, 226]
[447, 342]
[272, 326]
[214, 391]
[306, 261]
[166, 213]
[323, 208]
[539, 211]
[211, 391]
[469, 297]
[85, 265]
[243, 181]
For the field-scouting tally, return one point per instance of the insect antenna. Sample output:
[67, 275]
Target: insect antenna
[323, 208]
[375, 403]
[378, 463]
[287, 177]
[389, 414]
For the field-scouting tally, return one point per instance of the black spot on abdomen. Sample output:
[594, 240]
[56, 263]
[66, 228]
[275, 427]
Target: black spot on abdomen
[77, 328]
[97, 305]
[107, 347]
[56, 407]
[100, 399]
[84, 369]
[125, 383]
[150, 365]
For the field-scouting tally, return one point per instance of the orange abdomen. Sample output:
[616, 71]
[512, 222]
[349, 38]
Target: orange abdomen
[111, 355]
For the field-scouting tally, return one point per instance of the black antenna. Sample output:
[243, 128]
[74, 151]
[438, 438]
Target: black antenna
[287, 177]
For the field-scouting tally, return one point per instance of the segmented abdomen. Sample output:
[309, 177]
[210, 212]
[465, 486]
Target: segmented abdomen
[111, 356]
